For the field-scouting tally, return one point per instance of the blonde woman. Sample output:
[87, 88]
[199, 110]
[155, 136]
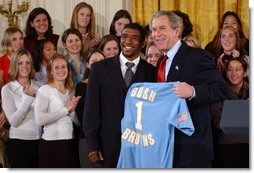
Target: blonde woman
[54, 110]
[12, 40]
[18, 104]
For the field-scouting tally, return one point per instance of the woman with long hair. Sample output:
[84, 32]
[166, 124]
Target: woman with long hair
[54, 110]
[18, 104]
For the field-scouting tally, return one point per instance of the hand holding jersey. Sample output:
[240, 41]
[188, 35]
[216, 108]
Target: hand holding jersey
[184, 90]
[152, 112]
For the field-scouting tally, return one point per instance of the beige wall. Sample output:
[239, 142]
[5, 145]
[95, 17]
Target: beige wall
[61, 11]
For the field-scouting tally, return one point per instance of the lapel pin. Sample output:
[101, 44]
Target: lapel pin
[176, 67]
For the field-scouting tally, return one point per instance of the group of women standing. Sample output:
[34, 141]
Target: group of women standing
[38, 86]
[43, 92]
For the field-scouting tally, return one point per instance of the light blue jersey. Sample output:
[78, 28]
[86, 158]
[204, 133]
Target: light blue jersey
[152, 112]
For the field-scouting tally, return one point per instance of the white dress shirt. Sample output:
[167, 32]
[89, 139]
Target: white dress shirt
[123, 61]
[171, 53]
[19, 110]
[50, 112]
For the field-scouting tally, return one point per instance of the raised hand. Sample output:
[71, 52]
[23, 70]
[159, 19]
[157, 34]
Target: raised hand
[72, 104]
[28, 90]
[235, 53]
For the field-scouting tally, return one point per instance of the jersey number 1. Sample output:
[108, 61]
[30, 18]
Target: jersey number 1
[138, 124]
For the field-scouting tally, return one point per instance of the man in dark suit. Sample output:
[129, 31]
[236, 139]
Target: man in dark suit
[104, 106]
[200, 84]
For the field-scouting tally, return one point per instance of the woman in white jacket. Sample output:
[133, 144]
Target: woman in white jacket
[54, 110]
[18, 104]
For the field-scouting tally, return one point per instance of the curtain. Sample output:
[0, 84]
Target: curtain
[204, 14]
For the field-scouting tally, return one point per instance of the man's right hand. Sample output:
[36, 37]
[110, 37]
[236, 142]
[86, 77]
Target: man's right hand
[95, 156]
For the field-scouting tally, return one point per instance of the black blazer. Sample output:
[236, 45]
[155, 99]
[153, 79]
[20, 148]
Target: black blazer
[197, 68]
[104, 106]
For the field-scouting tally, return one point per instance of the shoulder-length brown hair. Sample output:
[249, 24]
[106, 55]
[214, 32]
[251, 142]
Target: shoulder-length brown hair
[69, 84]
[14, 70]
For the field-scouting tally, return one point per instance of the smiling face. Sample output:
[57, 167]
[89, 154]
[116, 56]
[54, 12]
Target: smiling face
[17, 41]
[236, 73]
[111, 49]
[48, 50]
[59, 69]
[24, 66]
[228, 40]
[163, 35]
[40, 24]
[131, 43]
[73, 44]
[153, 54]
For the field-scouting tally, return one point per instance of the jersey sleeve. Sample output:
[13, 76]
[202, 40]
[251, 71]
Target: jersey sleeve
[181, 118]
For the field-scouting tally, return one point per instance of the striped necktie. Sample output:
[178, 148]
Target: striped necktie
[129, 73]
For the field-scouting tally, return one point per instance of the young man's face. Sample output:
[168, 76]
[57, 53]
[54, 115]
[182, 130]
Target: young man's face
[131, 43]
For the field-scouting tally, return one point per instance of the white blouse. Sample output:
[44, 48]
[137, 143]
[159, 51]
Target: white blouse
[50, 112]
[19, 110]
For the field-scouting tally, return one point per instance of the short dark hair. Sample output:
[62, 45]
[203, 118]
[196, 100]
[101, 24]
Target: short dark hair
[74, 31]
[138, 27]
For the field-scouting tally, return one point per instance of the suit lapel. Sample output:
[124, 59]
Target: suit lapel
[116, 73]
[177, 64]
[140, 72]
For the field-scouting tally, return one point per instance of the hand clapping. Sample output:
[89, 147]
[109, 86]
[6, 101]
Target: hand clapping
[72, 104]
[28, 90]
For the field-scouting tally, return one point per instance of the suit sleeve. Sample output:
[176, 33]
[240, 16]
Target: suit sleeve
[92, 118]
[209, 85]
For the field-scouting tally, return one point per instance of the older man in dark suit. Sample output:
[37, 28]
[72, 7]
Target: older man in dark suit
[108, 83]
[200, 84]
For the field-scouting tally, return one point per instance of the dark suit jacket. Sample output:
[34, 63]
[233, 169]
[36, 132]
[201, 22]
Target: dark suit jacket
[104, 106]
[197, 68]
